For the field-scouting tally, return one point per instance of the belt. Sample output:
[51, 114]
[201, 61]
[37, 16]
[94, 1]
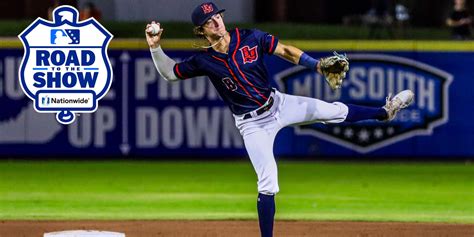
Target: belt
[261, 110]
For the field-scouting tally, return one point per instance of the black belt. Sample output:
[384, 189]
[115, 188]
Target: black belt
[261, 110]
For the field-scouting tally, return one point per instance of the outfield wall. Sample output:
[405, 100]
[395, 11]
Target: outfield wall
[142, 115]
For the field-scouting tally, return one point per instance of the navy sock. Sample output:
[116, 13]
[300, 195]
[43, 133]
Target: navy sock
[358, 113]
[266, 213]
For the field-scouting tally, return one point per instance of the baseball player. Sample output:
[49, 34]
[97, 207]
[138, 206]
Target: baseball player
[234, 63]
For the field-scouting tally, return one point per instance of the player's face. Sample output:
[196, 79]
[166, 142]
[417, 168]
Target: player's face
[214, 26]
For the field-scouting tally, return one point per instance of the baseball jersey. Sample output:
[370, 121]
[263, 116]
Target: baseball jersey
[240, 76]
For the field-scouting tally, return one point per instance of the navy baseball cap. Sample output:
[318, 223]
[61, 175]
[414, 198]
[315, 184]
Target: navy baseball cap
[204, 12]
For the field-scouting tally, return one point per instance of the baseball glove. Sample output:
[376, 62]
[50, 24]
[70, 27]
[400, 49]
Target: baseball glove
[334, 69]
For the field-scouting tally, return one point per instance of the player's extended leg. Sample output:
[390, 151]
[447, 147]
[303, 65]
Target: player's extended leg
[305, 110]
[386, 113]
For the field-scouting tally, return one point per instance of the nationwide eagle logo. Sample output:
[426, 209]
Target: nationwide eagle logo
[370, 80]
[65, 68]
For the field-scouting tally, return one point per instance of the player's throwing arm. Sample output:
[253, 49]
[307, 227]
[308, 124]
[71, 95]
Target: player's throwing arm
[163, 63]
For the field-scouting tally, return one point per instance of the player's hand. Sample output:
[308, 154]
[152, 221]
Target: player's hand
[153, 40]
[318, 67]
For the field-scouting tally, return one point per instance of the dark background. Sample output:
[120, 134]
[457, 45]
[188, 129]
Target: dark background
[423, 13]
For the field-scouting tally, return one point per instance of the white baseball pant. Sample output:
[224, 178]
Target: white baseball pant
[259, 132]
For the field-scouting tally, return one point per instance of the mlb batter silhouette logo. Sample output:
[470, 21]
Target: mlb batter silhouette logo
[65, 68]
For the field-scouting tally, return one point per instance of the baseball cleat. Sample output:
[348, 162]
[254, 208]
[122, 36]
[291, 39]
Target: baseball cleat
[398, 102]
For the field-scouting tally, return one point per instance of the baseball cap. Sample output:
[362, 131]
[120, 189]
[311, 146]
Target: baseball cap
[204, 12]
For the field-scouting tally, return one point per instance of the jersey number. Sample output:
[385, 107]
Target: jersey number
[229, 84]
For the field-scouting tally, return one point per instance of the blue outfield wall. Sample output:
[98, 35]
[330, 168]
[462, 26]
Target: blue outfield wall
[143, 115]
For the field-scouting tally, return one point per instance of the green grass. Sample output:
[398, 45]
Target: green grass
[429, 192]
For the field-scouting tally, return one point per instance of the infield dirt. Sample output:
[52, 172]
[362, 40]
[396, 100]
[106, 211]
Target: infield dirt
[238, 228]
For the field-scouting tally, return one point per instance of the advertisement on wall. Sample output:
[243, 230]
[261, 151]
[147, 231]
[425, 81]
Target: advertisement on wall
[143, 115]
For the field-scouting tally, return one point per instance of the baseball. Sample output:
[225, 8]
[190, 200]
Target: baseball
[153, 29]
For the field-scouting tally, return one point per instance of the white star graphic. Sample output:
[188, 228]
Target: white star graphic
[378, 133]
[336, 130]
[349, 133]
[363, 135]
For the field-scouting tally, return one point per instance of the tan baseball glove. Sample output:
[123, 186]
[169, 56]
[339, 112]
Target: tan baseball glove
[334, 69]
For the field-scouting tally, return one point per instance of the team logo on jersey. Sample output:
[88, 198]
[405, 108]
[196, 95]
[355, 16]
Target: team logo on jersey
[207, 8]
[371, 78]
[249, 55]
[65, 68]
